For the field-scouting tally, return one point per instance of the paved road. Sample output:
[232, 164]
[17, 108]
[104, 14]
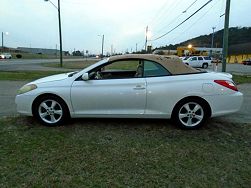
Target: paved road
[8, 91]
[234, 68]
[33, 64]
[36, 61]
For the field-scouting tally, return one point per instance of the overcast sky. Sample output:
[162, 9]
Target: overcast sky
[34, 23]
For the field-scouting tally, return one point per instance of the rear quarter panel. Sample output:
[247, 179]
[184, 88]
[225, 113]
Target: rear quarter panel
[163, 93]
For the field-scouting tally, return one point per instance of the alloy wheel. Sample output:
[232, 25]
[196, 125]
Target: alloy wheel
[191, 114]
[50, 111]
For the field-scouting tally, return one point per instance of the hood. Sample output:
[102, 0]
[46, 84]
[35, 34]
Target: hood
[56, 77]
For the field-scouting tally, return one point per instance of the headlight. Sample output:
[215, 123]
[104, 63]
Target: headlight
[26, 89]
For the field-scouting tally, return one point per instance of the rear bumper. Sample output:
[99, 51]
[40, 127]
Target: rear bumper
[225, 104]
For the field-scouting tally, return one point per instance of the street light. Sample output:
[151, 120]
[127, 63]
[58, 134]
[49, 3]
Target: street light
[4, 33]
[60, 33]
[212, 42]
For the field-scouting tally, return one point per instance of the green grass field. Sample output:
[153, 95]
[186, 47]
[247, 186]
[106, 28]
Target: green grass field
[123, 153]
[26, 75]
[72, 65]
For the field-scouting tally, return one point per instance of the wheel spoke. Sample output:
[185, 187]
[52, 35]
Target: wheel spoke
[43, 114]
[196, 108]
[53, 104]
[187, 107]
[44, 105]
[199, 118]
[59, 112]
[181, 116]
[53, 119]
[189, 121]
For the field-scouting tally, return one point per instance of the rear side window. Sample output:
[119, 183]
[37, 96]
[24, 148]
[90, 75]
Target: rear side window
[200, 58]
[152, 69]
[207, 58]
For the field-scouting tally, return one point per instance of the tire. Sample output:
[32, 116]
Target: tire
[204, 65]
[51, 111]
[190, 114]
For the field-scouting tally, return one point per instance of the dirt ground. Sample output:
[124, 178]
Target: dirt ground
[8, 90]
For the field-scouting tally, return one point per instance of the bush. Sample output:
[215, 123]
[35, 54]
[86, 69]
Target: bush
[19, 56]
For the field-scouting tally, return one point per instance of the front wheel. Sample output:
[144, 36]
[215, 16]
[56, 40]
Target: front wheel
[51, 111]
[190, 114]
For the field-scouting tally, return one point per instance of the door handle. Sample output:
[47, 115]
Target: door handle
[139, 87]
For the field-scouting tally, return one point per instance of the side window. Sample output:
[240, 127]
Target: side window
[126, 65]
[194, 59]
[207, 58]
[200, 58]
[121, 69]
[152, 69]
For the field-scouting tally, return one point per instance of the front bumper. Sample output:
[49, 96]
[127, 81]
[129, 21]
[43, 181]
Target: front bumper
[24, 104]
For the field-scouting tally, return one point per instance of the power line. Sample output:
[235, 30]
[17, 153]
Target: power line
[194, 23]
[189, 6]
[168, 11]
[183, 21]
[177, 17]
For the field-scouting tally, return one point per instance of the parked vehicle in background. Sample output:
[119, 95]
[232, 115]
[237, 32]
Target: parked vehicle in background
[198, 61]
[184, 58]
[5, 56]
[132, 86]
[246, 62]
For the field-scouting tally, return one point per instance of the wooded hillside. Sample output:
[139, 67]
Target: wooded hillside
[237, 35]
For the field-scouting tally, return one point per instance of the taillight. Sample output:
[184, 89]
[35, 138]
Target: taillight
[226, 83]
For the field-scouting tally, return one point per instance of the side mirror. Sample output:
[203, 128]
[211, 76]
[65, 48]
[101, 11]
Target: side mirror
[85, 76]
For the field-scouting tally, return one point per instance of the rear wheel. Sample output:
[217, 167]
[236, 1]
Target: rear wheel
[51, 111]
[204, 65]
[190, 114]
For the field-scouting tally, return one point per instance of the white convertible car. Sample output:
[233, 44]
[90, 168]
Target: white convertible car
[132, 86]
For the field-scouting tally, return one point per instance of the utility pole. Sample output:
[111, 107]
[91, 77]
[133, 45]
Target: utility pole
[225, 37]
[60, 35]
[212, 42]
[103, 38]
[136, 47]
[2, 40]
[146, 38]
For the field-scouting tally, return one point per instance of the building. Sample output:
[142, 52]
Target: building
[239, 52]
[41, 51]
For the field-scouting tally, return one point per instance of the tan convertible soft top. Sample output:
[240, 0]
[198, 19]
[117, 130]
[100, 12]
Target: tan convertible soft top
[172, 63]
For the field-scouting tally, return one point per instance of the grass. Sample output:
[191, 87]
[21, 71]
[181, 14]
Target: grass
[123, 153]
[25, 75]
[72, 65]
[241, 79]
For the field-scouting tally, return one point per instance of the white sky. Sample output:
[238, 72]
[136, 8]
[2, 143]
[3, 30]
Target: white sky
[34, 23]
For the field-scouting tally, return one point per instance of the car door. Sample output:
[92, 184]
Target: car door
[193, 62]
[159, 93]
[200, 61]
[110, 96]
